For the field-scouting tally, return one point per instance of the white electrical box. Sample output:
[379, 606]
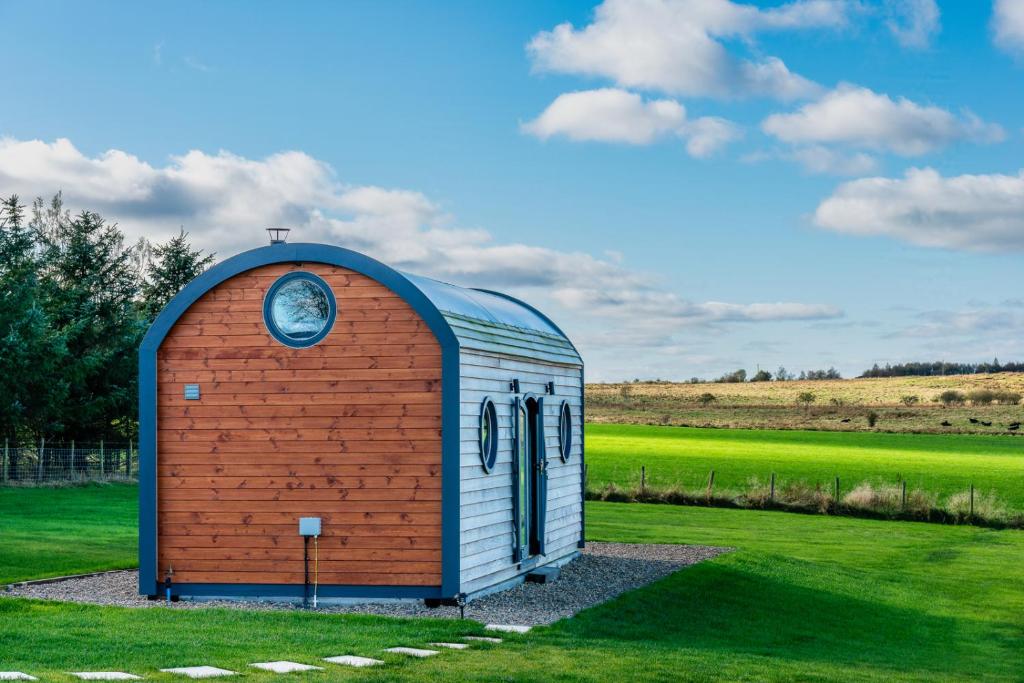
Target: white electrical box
[309, 526]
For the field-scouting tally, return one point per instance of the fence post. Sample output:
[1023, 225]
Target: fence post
[771, 494]
[42, 455]
[971, 517]
[128, 465]
[837, 491]
[103, 462]
[711, 484]
[643, 478]
[5, 461]
[904, 498]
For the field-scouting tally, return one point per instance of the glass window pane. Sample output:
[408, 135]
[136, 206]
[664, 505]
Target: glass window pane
[300, 309]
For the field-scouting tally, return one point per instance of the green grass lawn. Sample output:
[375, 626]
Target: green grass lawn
[942, 464]
[802, 597]
[57, 531]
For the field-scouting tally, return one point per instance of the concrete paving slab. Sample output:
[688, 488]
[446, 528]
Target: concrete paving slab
[352, 660]
[507, 628]
[105, 676]
[285, 667]
[451, 646]
[199, 671]
[16, 676]
[482, 639]
[411, 651]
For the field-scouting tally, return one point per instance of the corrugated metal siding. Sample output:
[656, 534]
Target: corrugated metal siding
[486, 499]
[501, 339]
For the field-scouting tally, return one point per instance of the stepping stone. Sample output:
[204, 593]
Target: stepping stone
[105, 676]
[507, 628]
[16, 676]
[199, 671]
[482, 639]
[352, 660]
[285, 667]
[451, 646]
[412, 651]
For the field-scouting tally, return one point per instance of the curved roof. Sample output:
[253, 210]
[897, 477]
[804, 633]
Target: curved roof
[472, 318]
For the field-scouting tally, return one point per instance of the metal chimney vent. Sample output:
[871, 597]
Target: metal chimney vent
[278, 235]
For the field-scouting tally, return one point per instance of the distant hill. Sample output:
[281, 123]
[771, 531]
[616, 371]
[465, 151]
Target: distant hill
[900, 404]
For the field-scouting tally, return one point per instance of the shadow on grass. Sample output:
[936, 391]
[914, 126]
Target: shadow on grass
[728, 609]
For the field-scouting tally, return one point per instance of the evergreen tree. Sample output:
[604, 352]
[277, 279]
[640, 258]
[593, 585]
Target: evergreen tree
[32, 390]
[171, 266]
[90, 288]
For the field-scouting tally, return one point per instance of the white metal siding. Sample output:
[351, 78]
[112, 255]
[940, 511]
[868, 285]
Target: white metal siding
[486, 499]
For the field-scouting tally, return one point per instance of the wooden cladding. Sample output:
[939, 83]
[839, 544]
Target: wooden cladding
[348, 430]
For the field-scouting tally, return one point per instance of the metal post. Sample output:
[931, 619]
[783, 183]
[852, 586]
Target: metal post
[5, 461]
[128, 464]
[102, 459]
[643, 478]
[39, 465]
[837, 490]
[904, 499]
[972, 503]
[711, 484]
[771, 495]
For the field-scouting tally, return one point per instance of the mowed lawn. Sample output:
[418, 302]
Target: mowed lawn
[800, 597]
[942, 464]
[48, 532]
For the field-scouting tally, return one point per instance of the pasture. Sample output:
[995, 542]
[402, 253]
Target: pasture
[839, 405]
[939, 463]
[789, 602]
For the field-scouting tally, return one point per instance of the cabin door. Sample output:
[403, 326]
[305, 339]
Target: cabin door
[530, 479]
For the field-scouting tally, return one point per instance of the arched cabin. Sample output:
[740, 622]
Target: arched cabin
[435, 431]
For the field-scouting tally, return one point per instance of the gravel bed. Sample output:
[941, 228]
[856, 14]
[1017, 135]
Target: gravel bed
[601, 572]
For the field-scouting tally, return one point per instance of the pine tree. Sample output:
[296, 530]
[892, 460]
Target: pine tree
[171, 266]
[32, 390]
[90, 288]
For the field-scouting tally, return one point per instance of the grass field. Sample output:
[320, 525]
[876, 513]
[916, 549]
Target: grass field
[943, 464]
[58, 531]
[773, 405]
[808, 598]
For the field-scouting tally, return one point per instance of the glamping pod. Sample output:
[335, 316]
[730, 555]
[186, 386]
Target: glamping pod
[312, 420]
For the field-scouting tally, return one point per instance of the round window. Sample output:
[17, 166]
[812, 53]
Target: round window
[565, 431]
[299, 309]
[488, 435]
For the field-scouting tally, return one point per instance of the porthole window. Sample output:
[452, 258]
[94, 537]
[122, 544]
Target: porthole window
[565, 431]
[488, 434]
[299, 309]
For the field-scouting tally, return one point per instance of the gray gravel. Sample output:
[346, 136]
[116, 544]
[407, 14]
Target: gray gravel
[601, 572]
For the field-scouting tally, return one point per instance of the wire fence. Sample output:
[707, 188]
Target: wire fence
[68, 462]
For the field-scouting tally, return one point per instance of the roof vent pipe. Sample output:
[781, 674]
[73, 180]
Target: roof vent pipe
[278, 235]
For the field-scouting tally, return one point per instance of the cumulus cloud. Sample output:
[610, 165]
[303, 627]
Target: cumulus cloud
[913, 22]
[1008, 25]
[821, 159]
[225, 201]
[858, 116]
[968, 212]
[676, 46]
[614, 115]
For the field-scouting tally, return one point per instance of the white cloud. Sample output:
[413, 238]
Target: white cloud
[858, 116]
[608, 115]
[821, 159]
[614, 115]
[1008, 25]
[968, 212]
[675, 46]
[225, 201]
[913, 22]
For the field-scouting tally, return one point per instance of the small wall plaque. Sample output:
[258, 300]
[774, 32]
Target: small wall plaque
[191, 392]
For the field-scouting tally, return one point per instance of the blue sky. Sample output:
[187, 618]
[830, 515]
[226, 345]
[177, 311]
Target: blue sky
[687, 187]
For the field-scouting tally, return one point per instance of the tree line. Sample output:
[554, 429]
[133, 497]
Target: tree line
[939, 368]
[75, 302]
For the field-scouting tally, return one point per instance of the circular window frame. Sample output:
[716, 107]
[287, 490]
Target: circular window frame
[564, 436]
[488, 451]
[268, 314]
